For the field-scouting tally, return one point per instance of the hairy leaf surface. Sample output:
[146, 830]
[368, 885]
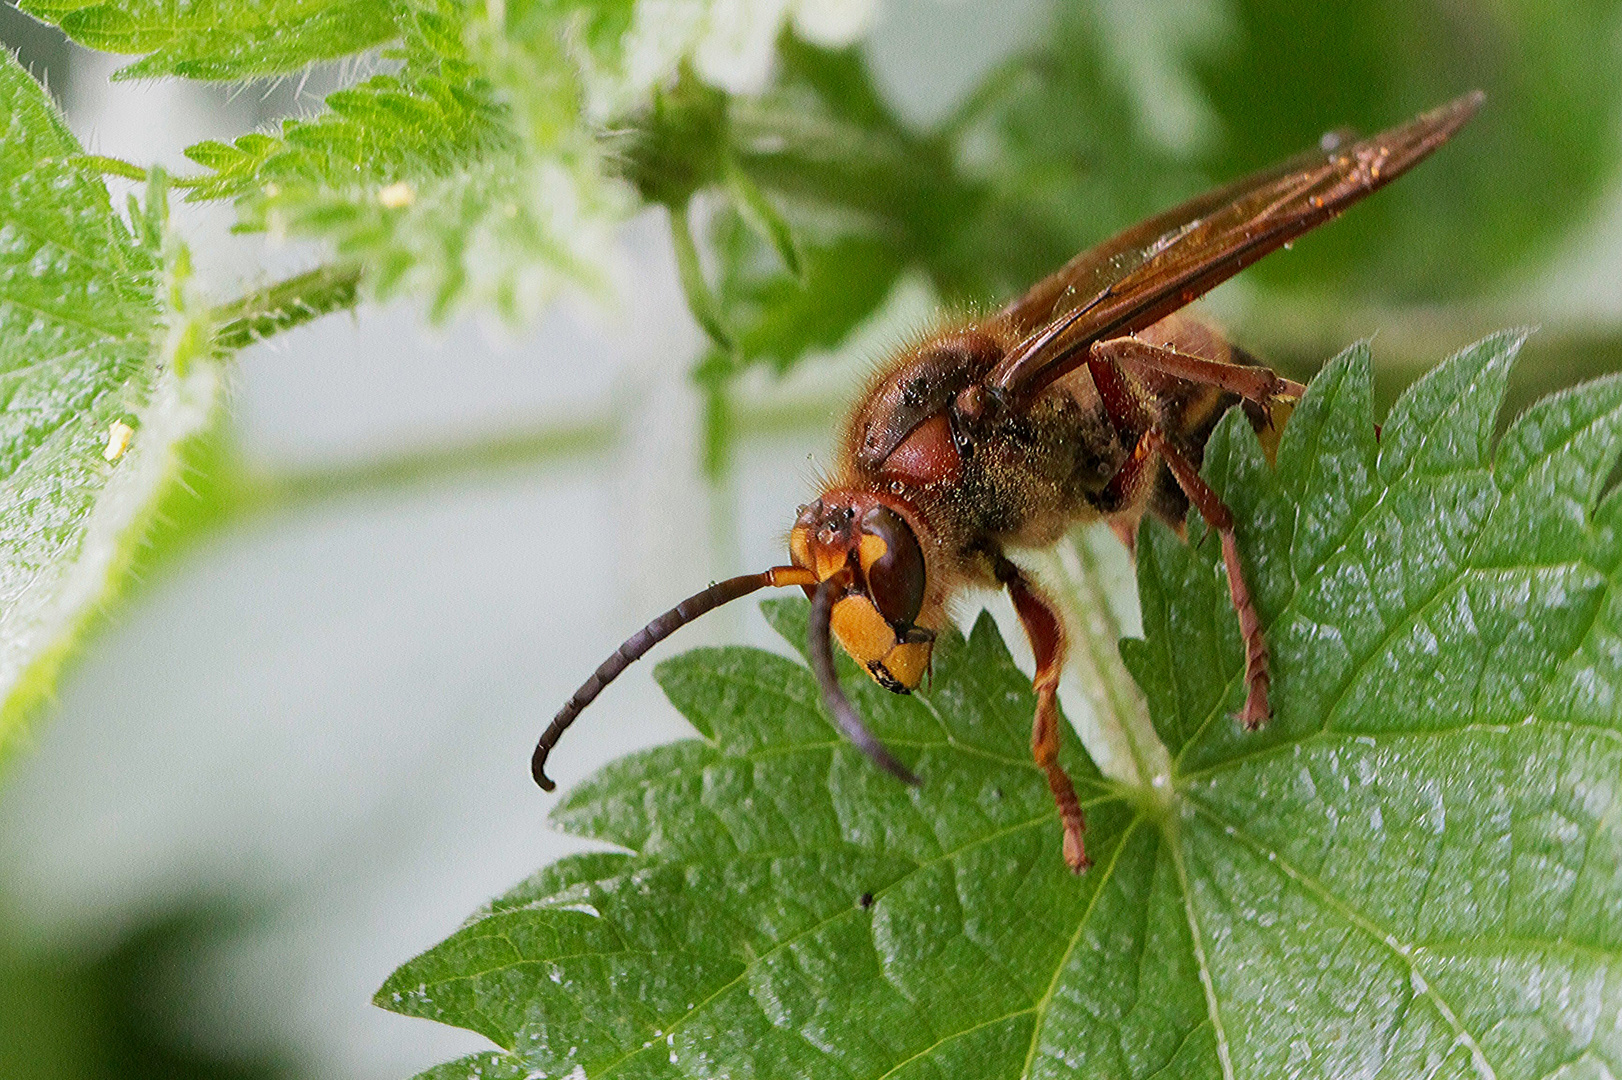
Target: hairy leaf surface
[89, 339]
[466, 176]
[1416, 870]
[221, 39]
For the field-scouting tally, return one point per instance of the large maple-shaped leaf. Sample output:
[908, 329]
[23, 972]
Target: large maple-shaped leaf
[1415, 871]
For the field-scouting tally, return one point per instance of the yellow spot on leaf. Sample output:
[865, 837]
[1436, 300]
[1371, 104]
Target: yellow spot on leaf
[119, 435]
[397, 195]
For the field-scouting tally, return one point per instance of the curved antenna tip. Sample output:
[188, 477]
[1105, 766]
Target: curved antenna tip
[537, 769]
[722, 592]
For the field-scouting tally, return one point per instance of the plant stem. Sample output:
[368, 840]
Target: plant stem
[285, 305]
[1122, 738]
[257, 493]
[701, 300]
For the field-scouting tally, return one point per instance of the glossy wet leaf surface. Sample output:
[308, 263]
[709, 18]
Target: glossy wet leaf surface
[1415, 871]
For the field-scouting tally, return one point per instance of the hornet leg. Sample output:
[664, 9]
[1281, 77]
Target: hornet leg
[1129, 414]
[1046, 633]
[1257, 384]
[1219, 517]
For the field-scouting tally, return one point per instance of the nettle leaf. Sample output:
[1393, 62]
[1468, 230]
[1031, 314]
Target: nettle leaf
[221, 39]
[97, 386]
[432, 116]
[777, 314]
[476, 173]
[1416, 870]
[468, 175]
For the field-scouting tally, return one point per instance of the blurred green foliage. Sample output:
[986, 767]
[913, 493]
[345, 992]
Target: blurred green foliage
[1108, 112]
[1053, 152]
[1544, 149]
[110, 1011]
[1056, 149]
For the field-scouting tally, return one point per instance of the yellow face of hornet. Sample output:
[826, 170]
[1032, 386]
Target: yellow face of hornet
[873, 621]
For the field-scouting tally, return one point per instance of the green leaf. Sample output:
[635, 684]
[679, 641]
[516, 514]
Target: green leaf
[468, 176]
[798, 830]
[96, 336]
[221, 39]
[436, 115]
[778, 315]
[765, 219]
[701, 300]
[1413, 871]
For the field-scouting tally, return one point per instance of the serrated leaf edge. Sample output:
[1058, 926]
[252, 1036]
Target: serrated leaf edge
[182, 403]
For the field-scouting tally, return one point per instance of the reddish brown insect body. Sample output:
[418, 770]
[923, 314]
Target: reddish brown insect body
[1090, 397]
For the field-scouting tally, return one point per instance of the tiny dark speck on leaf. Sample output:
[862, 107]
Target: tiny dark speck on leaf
[866, 900]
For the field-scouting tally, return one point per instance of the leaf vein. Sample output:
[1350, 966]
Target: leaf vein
[1041, 1007]
[843, 913]
[1404, 951]
[1212, 1007]
[948, 1038]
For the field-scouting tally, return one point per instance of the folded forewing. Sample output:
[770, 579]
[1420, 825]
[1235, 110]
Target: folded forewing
[1158, 266]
